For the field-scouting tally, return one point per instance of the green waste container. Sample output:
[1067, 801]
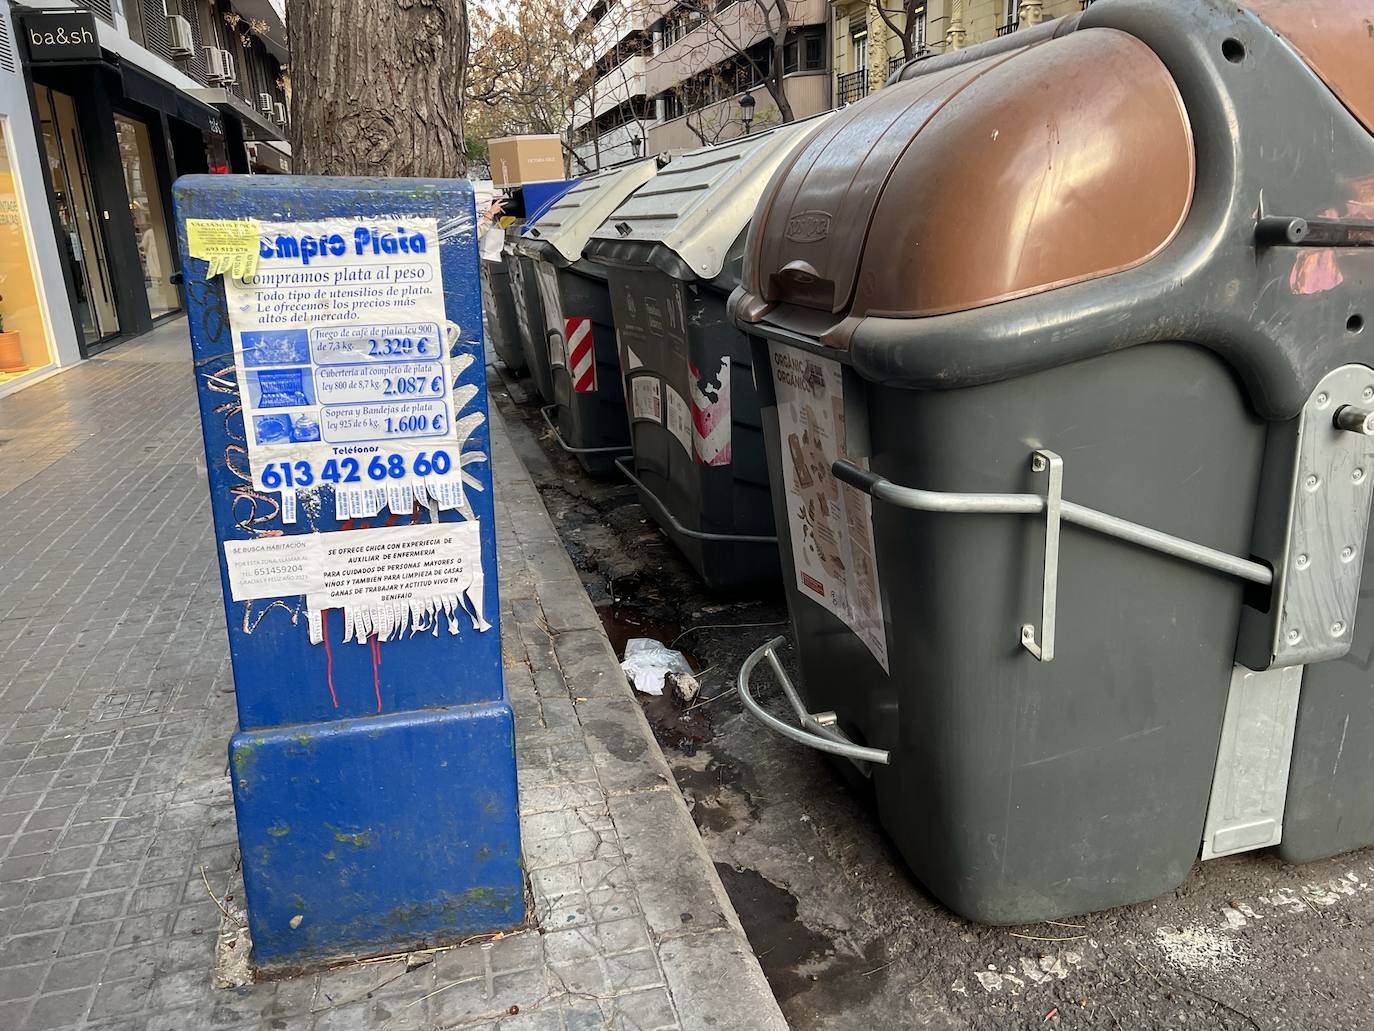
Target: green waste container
[1068, 436]
[672, 253]
[587, 412]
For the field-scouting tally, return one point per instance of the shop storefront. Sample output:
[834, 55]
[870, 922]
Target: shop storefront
[114, 139]
[36, 331]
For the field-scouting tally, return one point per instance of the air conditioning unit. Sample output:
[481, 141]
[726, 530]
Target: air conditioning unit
[179, 30]
[265, 103]
[219, 66]
[281, 114]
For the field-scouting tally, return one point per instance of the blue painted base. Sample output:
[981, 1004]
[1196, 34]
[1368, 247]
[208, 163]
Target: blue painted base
[379, 834]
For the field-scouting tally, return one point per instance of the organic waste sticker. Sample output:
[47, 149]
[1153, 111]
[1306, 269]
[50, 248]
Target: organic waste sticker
[830, 523]
[344, 364]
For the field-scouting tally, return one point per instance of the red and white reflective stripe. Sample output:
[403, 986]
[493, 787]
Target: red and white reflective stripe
[711, 419]
[581, 355]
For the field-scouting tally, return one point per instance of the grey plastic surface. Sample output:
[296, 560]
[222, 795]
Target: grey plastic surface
[569, 223]
[699, 203]
[529, 318]
[1018, 790]
[676, 337]
[1251, 782]
[595, 420]
[502, 324]
[1271, 140]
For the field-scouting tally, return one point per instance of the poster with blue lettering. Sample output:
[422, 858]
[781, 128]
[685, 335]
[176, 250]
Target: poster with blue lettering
[349, 380]
[342, 342]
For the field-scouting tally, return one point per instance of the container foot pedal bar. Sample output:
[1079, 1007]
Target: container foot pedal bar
[817, 729]
[665, 516]
[553, 428]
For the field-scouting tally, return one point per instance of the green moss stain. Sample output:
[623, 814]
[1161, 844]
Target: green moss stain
[279, 830]
[362, 839]
[331, 855]
[243, 758]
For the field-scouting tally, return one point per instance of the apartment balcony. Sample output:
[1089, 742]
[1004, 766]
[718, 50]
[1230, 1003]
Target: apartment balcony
[851, 87]
[1008, 28]
[622, 19]
[740, 26]
[623, 82]
[622, 143]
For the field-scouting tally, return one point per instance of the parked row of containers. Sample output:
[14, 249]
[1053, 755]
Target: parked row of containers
[1118, 259]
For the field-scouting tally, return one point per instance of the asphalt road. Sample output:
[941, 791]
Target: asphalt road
[847, 938]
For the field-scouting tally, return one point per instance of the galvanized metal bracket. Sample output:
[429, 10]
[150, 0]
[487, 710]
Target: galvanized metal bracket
[1052, 465]
[1250, 785]
[1317, 544]
[818, 730]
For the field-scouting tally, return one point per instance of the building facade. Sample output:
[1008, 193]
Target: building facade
[866, 34]
[666, 75]
[701, 67]
[611, 114]
[102, 106]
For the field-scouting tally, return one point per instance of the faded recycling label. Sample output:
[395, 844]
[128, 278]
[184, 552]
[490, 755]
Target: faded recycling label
[830, 523]
[343, 357]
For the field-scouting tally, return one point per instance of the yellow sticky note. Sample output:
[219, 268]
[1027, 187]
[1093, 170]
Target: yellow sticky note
[229, 245]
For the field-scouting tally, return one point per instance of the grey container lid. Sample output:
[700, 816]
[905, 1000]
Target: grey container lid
[567, 225]
[700, 203]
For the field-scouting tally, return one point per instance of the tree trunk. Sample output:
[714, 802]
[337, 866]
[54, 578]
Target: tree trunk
[377, 87]
[777, 88]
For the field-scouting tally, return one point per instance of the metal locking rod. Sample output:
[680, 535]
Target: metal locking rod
[882, 489]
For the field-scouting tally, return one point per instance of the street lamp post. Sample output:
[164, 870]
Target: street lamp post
[746, 111]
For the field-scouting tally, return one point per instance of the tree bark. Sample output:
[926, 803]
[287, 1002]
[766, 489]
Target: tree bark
[377, 87]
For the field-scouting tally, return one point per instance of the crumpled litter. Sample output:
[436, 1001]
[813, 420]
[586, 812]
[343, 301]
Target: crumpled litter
[648, 661]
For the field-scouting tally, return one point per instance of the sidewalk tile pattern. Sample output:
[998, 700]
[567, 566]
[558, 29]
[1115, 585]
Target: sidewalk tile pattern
[116, 821]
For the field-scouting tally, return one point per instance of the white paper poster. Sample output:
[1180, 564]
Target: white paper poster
[343, 359]
[385, 581]
[679, 418]
[646, 398]
[830, 523]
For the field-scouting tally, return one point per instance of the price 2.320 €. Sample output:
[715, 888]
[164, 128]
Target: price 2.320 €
[351, 470]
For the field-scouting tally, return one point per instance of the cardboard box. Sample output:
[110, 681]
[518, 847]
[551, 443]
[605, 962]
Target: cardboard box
[520, 160]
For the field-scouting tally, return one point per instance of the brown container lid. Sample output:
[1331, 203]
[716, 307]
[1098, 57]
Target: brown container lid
[1336, 39]
[1000, 177]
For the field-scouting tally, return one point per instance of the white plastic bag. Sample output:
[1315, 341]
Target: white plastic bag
[648, 661]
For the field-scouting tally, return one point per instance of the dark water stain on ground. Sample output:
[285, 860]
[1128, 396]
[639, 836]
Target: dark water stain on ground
[781, 941]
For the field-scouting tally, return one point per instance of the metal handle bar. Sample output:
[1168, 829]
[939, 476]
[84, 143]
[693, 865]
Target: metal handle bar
[817, 730]
[698, 535]
[919, 500]
[568, 447]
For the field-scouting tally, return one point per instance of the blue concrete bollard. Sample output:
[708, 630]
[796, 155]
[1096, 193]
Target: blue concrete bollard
[342, 395]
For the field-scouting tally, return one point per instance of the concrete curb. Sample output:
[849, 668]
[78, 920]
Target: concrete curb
[572, 701]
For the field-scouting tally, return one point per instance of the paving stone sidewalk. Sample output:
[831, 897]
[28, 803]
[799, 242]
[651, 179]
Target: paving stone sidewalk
[116, 704]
